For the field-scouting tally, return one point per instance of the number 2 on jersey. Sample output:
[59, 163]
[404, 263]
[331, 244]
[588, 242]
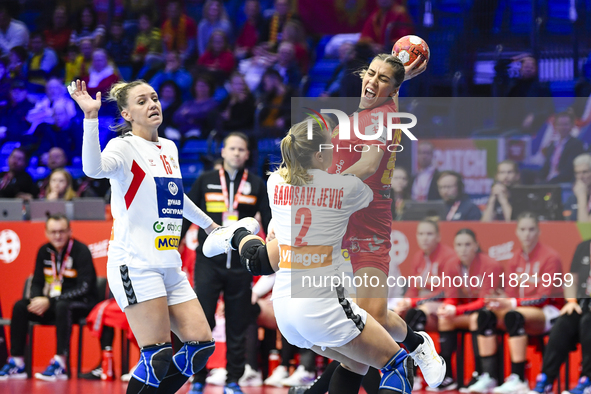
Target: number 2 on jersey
[307, 221]
[166, 165]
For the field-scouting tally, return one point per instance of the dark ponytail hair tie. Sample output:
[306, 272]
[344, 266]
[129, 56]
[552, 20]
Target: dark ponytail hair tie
[292, 138]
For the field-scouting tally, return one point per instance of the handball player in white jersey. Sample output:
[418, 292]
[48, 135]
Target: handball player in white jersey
[144, 266]
[311, 209]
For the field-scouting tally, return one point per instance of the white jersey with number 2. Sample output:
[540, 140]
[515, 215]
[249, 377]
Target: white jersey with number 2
[310, 223]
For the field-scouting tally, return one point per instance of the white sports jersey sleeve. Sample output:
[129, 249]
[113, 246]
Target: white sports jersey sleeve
[108, 164]
[310, 223]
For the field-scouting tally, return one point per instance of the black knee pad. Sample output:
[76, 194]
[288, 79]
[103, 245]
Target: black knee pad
[193, 356]
[255, 259]
[153, 364]
[487, 322]
[416, 319]
[515, 323]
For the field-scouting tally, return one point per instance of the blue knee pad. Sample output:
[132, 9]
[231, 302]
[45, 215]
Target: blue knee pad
[397, 375]
[193, 356]
[153, 364]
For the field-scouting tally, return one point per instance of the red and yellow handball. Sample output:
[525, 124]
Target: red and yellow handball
[409, 48]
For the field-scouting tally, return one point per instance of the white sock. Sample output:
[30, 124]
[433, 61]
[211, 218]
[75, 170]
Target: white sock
[61, 360]
[19, 361]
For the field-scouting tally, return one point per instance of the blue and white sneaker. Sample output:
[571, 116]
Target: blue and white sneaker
[232, 388]
[196, 388]
[584, 387]
[220, 239]
[12, 371]
[542, 385]
[397, 375]
[53, 372]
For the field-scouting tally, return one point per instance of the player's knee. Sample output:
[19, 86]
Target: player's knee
[416, 319]
[487, 322]
[254, 258]
[515, 324]
[153, 364]
[192, 357]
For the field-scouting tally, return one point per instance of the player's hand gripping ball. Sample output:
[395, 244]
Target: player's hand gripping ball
[409, 48]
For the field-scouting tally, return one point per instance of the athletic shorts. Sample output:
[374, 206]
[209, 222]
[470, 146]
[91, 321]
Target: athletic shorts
[551, 313]
[326, 322]
[368, 236]
[131, 285]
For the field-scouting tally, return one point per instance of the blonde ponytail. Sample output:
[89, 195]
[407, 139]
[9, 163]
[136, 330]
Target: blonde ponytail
[297, 152]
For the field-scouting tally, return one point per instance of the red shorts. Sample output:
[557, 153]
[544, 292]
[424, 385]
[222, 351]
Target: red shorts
[368, 236]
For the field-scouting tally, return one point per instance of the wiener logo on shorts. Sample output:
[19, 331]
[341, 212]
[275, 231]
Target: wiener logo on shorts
[167, 242]
[305, 257]
[169, 192]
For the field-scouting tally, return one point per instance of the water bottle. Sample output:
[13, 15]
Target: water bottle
[107, 364]
[274, 360]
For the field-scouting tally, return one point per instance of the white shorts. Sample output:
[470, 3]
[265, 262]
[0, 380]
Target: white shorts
[323, 322]
[551, 313]
[131, 285]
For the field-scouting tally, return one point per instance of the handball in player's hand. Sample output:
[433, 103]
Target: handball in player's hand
[409, 48]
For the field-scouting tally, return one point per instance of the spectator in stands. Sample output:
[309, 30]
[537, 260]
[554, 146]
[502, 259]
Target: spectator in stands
[558, 165]
[254, 67]
[12, 32]
[179, 31]
[451, 189]
[148, 44]
[400, 191]
[57, 36]
[499, 205]
[571, 327]
[42, 61]
[15, 118]
[214, 18]
[62, 132]
[520, 310]
[275, 99]
[239, 108]
[461, 313]
[346, 55]
[578, 205]
[424, 185]
[119, 45]
[198, 117]
[60, 186]
[79, 60]
[17, 66]
[287, 65]
[16, 182]
[56, 159]
[272, 32]
[5, 83]
[293, 32]
[63, 288]
[88, 28]
[218, 58]
[55, 91]
[251, 32]
[101, 75]
[173, 71]
[526, 115]
[170, 100]
[391, 15]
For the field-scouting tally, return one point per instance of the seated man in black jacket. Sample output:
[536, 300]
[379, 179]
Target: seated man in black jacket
[63, 289]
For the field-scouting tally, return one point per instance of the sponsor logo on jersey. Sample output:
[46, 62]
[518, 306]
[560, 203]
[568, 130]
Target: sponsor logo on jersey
[305, 257]
[158, 227]
[173, 188]
[169, 193]
[167, 242]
